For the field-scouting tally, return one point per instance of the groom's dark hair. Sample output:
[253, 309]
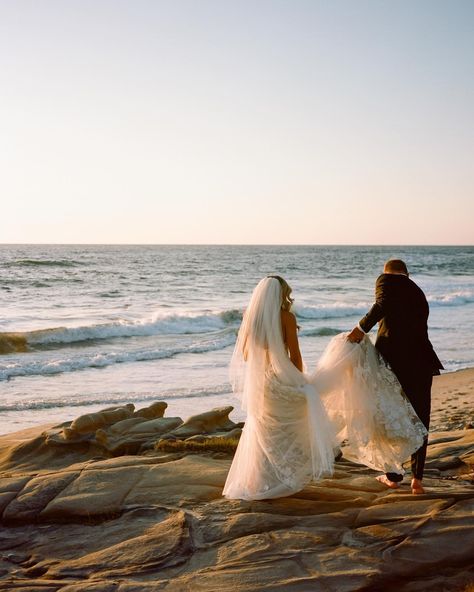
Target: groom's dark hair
[395, 266]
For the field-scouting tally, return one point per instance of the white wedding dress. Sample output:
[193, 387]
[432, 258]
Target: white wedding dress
[296, 421]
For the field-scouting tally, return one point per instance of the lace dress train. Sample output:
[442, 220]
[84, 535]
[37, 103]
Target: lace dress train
[367, 406]
[352, 398]
[284, 447]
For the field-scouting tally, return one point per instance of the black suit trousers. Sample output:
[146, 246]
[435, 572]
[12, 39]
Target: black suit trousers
[417, 387]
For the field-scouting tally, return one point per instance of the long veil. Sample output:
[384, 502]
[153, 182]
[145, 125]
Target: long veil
[260, 349]
[287, 439]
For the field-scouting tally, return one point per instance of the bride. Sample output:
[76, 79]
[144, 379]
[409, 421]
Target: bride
[295, 421]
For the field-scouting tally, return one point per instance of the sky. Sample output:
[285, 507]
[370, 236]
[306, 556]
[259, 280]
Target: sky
[250, 122]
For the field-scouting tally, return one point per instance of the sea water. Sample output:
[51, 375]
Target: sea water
[86, 327]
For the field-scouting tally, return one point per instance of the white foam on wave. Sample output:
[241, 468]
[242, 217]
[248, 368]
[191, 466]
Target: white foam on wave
[452, 299]
[343, 309]
[21, 367]
[158, 324]
[192, 323]
[331, 311]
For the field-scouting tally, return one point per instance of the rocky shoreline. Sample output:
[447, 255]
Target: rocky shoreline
[129, 500]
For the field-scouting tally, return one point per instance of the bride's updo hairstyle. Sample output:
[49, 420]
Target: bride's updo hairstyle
[286, 299]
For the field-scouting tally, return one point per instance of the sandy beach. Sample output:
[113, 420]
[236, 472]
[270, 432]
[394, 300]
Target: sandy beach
[453, 400]
[97, 504]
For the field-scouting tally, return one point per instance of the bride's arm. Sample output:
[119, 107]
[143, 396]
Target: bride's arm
[290, 337]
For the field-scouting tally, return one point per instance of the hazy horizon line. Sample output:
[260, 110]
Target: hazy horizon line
[125, 244]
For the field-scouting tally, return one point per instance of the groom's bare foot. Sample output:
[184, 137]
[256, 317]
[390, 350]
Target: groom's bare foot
[386, 481]
[417, 487]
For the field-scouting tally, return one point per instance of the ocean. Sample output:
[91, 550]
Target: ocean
[84, 327]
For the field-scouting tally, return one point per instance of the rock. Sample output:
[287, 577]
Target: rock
[66, 436]
[91, 422]
[231, 435]
[183, 482]
[16, 557]
[212, 421]
[30, 449]
[400, 510]
[436, 542]
[448, 462]
[158, 521]
[165, 544]
[121, 427]
[155, 410]
[451, 450]
[98, 491]
[119, 430]
[130, 438]
[101, 586]
[9, 488]
[35, 495]
[157, 426]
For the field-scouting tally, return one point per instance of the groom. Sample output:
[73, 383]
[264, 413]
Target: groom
[402, 312]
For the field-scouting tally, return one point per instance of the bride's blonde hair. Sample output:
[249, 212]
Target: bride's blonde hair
[286, 299]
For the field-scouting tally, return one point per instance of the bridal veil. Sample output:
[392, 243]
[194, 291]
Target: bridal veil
[287, 439]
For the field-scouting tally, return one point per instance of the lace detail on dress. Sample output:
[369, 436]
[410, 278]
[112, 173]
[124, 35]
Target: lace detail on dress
[277, 454]
[366, 399]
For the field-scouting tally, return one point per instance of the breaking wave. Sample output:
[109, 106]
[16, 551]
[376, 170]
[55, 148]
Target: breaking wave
[452, 299]
[331, 311]
[187, 324]
[71, 363]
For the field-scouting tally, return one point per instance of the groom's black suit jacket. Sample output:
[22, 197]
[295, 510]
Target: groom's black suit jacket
[402, 312]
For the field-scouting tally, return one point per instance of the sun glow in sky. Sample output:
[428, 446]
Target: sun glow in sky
[215, 121]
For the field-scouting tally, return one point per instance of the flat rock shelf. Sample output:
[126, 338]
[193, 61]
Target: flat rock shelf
[126, 500]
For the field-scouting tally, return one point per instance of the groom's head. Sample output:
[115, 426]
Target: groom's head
[396, 266]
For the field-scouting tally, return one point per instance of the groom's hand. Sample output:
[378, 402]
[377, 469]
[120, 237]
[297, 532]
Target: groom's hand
[356, 335]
